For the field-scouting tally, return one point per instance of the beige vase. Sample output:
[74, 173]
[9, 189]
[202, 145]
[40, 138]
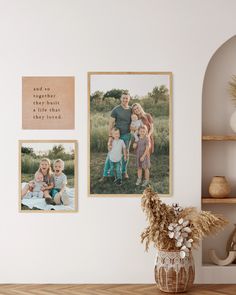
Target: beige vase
[219, 187]
[174, 274]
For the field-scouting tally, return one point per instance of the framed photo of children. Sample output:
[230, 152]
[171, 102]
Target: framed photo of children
[130, 133]
[48, 176]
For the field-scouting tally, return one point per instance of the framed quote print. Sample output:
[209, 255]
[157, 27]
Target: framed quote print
[48, 176]
[130, 133]
[48, 103]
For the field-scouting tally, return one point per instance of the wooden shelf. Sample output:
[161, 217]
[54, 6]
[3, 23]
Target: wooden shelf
[209, 200]
[219, 137]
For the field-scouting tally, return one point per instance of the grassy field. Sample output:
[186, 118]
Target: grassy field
[159, 176]
[159, 172]
[28, 177]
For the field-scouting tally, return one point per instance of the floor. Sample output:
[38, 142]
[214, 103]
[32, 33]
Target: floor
[109, 290]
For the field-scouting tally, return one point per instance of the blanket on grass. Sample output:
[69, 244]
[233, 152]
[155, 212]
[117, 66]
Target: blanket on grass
[39, 203]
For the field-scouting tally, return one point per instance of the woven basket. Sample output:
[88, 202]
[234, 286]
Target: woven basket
[174, 274]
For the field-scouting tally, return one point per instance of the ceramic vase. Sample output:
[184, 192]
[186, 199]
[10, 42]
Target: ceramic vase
[174, 274]
[219, 187]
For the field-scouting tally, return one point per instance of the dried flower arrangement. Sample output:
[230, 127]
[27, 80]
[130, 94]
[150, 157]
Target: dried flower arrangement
[175, 228]
[232, 88]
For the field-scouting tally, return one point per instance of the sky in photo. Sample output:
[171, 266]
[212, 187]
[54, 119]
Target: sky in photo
[42, 147]
[136, 84]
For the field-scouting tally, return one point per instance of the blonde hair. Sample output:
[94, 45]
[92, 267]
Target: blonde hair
[37, 172]
[49, 172]
[59, 161]
[139, 106]
[144, 127]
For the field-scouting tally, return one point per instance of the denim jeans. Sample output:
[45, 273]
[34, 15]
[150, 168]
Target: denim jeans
[107, 171]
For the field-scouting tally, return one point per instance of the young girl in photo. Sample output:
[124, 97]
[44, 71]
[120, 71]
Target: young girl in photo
[46, 171]
[143, 156]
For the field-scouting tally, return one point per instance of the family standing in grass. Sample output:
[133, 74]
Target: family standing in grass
[48, 184]
[129, 123]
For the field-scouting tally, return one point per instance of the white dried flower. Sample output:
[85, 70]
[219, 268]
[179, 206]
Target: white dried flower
[182, 254]
[187, 229]
[171, 235]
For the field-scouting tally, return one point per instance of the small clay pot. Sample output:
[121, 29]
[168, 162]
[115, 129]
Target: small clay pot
[219, 187]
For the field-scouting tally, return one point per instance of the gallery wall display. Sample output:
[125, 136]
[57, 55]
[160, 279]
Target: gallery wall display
[48, 103]
[48, 176]
[130, 133]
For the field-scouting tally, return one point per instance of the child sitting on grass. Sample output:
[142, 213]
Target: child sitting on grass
[58, 192]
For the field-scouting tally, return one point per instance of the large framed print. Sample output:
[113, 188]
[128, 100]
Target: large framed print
[130, 133]
[48, 176]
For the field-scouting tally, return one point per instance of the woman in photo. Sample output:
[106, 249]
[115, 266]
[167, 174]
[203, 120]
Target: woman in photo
[147, 121]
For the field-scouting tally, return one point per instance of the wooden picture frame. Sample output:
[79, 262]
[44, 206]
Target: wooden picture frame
[153, 91]
[32, 154]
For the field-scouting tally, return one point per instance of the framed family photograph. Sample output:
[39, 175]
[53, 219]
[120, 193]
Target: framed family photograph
[48, 176]
[130, 133]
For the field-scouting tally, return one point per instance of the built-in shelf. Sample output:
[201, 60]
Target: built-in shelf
[209, 200]
[219, 137]
[218, 266]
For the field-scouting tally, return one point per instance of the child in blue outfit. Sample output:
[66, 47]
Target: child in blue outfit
[58, 192]
[114, 157]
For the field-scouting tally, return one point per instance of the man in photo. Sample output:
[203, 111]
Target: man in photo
[120, 118]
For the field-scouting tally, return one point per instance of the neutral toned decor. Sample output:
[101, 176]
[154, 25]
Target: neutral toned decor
[232, 92]
[172, 273]
[222, 262]
[129, 101]
[215, 139]
[231, 244]
[230, 249]
[174, 231]
[48, 103]
[232, 88]
[219, 187]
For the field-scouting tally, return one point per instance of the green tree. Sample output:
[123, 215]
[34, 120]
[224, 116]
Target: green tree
[58, 152]
[28, 151]
[97, 96]
[116, 93]
[159, 94]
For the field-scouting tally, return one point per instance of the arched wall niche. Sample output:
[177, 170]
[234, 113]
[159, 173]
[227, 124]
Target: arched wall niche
[219, 158]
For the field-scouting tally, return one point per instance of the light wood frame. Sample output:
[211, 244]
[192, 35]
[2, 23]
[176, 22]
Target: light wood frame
[89, 74]
[75, 176]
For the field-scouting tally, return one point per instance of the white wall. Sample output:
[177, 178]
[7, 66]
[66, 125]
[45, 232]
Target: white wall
[100, 244]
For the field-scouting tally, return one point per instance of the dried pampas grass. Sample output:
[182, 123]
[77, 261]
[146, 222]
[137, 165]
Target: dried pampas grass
[160, 216]
[232, 88]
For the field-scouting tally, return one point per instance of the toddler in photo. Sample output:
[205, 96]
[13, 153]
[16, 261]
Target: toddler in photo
[116, 150]
[58, 192]
[37, 185]
[134, 126]
[143, 156]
